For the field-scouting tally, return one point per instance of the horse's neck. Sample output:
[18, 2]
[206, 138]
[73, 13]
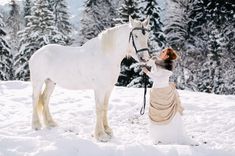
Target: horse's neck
[121, 42]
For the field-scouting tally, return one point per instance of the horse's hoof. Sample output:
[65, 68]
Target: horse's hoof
[190, 142]
[36, 126]
[157, 142]
[51, 124]
[103, 137]
[109, 131]
[194, 143]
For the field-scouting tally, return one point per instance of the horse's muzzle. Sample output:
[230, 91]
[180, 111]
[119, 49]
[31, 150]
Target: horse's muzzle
[142, 59]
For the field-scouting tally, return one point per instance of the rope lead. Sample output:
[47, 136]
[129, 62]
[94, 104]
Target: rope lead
[142, 110]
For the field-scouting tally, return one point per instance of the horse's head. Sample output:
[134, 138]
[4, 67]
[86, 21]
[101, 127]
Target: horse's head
[138, 40]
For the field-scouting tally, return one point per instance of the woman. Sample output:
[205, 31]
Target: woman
[165, 108]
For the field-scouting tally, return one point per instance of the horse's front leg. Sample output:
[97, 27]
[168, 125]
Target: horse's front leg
[107, 129]
[99, 129]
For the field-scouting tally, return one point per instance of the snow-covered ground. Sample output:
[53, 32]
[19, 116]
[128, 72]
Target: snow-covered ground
[209, 118]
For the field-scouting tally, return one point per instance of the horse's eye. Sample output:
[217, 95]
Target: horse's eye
[136, 36]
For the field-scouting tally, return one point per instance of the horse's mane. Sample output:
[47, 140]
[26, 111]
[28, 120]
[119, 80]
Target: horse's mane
[108, 39]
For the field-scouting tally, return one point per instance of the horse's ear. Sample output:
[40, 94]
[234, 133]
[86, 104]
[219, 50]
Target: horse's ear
[131, 21]
[146, 22]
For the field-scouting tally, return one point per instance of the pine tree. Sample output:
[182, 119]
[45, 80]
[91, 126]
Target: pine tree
[211, 20]
[60, 11]
[176, 25]
[13, 24]
[178, 37]
[5, 55]
[13, 21]
[229, 49]
[197, 12]
[39, 31]
[152, 10]
[203, 32]
[128, 8]
[215, 60]
[27, 10]
[97, 16]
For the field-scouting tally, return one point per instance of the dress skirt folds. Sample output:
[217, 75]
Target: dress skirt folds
[165, 112]
[164, 104]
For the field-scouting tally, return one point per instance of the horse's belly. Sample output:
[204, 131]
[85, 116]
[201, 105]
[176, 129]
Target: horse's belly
[72, 81]
[75, 85]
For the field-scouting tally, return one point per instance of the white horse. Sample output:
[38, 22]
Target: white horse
[95, 65]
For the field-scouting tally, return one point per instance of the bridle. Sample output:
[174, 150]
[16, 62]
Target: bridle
[131, 37]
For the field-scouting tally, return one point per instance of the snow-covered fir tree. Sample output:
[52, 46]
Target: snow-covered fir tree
[128, 8]
[157, 37]
[5, 54]
[177, 36]
[40, 31]
[176, 23]
[229, 48]
[212, 68]
[196, 30]
[61, 17]
[13, 20]
[27, 10]
[215, 17]
[97, 16]
[14, 24]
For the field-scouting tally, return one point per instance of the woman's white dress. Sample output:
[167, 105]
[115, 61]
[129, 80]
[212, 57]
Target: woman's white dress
[172, 132]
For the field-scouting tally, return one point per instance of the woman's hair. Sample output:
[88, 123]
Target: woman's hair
[171, 53]
[168, 64]
[165, 64]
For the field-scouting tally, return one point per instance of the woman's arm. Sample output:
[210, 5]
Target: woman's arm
[147, 72]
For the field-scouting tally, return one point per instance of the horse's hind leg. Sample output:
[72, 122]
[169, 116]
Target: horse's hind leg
[49, 88]
[99, 129]
[37, 105]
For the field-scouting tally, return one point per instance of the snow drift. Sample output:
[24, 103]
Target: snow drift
[208, 118]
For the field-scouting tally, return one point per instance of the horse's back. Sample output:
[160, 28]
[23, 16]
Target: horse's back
[70, 67]
[53, 54]
[51, 50]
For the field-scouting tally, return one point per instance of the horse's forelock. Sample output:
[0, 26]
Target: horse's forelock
[137, 23]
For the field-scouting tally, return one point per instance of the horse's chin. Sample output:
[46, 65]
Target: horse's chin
[143, 60]
[137, 58]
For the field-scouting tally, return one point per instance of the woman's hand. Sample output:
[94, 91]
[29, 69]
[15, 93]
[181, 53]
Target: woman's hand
[145, 70]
